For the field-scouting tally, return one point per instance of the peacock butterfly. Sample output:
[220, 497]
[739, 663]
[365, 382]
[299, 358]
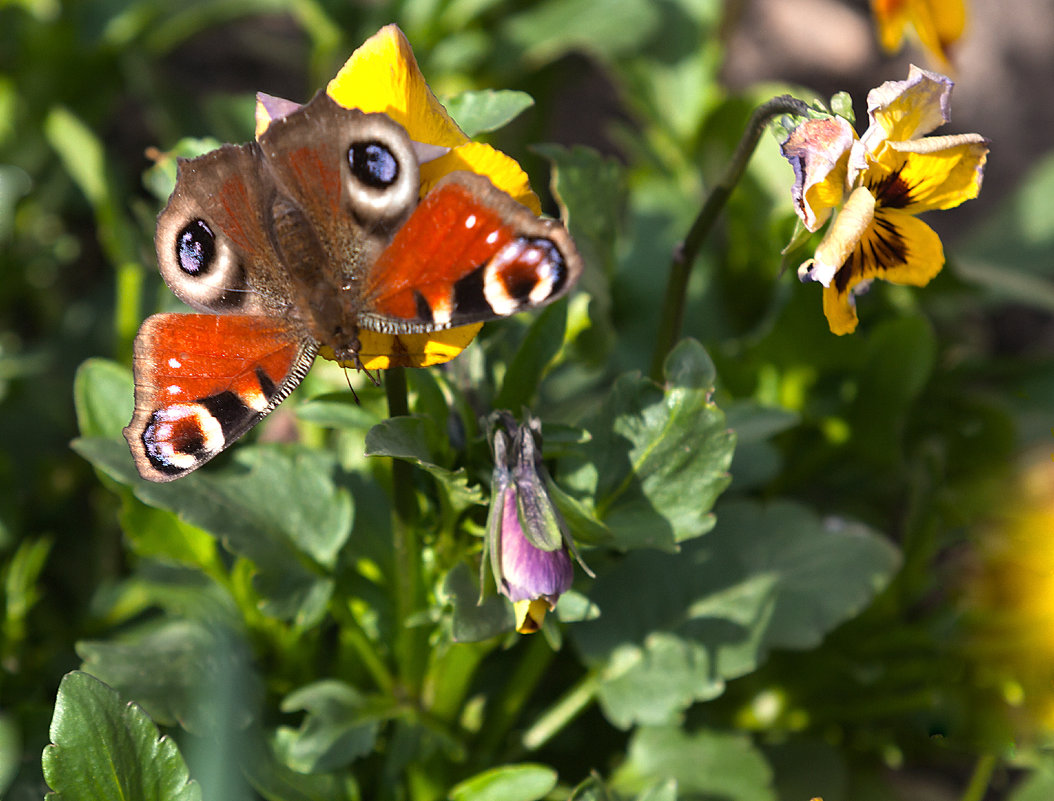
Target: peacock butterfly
[312, 237]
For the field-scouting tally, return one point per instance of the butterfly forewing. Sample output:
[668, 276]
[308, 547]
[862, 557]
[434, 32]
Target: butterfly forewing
[202, 380]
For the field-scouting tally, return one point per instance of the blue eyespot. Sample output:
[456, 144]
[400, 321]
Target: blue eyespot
[195, 248]
[373, 164]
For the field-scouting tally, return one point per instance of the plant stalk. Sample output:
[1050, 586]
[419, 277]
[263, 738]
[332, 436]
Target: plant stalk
[410, 645]
[671, 320]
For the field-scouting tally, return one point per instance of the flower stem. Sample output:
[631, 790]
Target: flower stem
[672, 318]
[573, 703]
[352, 635]
[409, 646]
[980, 779]
[505, 710]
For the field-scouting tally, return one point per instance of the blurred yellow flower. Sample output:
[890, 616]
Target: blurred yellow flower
[937, 23]
[1011, 597]
[880, 182]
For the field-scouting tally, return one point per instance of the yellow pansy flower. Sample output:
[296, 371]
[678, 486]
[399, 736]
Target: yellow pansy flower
[937, 23]
[880, 182]
[382, 76]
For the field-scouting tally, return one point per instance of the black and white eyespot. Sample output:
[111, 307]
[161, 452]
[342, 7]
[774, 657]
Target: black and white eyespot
[196, 248]
[197, 262]
[179, 437]
[381, 177]
[373, 163]
[526, 272]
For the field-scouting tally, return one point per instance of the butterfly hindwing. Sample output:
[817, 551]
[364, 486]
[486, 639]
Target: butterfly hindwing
[202, 381]
[469, 253]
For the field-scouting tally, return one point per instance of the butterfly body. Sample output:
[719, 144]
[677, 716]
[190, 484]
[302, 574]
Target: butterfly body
[301, 241]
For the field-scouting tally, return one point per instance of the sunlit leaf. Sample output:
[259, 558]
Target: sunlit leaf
[279, 508]
[708, 763]
[674, 627]
[178, 671]
[660, 456]
[338, 728]
[487, 110]
[103, 747]
[525, 782]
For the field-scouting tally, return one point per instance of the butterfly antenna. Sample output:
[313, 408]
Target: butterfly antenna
[354, 394]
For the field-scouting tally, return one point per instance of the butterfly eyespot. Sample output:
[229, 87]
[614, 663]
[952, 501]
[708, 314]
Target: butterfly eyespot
[195, 248]
[373, 164]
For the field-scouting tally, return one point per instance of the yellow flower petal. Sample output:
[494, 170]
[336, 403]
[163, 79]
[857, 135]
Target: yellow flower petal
[530, 615]
[818, 150]
[382, 75]
[379, 351]
[937, 172]
[477, 157]
[891, 17]
[901, 110]
[842, 238]
[939, 24]
[897, 248]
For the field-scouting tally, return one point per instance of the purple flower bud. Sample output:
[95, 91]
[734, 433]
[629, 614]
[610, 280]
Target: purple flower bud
[527, 572]
[530, 550]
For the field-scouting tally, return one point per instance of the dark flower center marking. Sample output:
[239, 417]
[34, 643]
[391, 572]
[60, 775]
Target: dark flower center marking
[892, 192]
[882, 247]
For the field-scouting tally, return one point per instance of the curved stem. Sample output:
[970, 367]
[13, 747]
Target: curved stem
[507, 705]
[982, 776]
[553, 720]
[672, 318]
[409, 646]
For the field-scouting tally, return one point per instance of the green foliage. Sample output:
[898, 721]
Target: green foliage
[778, 527]
[488, 110]
[103, 747]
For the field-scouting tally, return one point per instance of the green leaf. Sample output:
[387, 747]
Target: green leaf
[603, 29]
[15, 184]
[706, 763]
[10, 752]
[901, 355]
[756, 460]
[410, 438]
[1037, 786]
[406, 438]
[177, 670]
[1018, 237]
[544, 339]
[273, 780]
[674, 628]
[473, 621]
[663, 791]
[105, 748]
[590, 190]
[339, 727]
[661, 456]
[523, 782]
[337, 410]
[487, 110]
[278, 507]
[102, 394]
[81, 152]
[160, 534]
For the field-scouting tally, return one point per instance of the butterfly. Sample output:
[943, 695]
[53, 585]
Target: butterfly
[315, 237]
